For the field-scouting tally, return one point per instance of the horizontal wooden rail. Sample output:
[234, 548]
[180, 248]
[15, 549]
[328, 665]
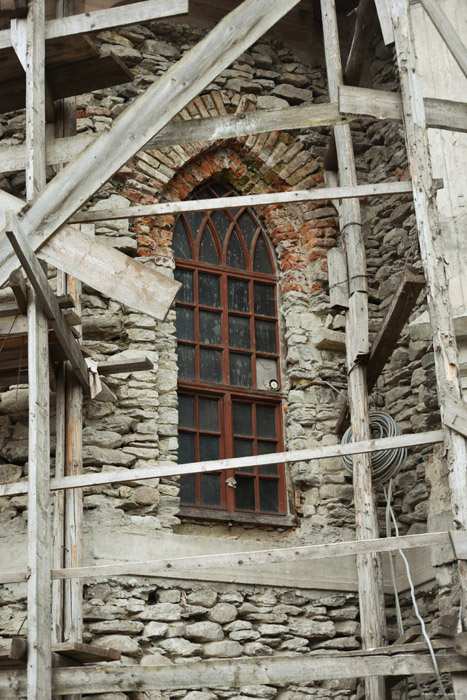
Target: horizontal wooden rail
[165, 469]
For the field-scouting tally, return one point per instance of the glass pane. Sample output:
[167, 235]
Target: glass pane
[210, 328]
[188, 489]
[266, 369]
[210, 489]
[180, 243]
[208, 447]
[248, 226]
[186, 411]
[242, 424]
[265, 421]
[195, 221]
[268, 495]
[186, 361]
[235, 254]
[240, 369]
[262, 260]
[185, 323]
[245, 493]
[210, 365]
[220, 189]
[209, 293]
[207, 414]
[186, 448]
[265, 304]
[238, 295]
[186, 291]
[244, 448]
[265, 448]
[265, 336]
[239, 332]
[207, 249]
[221, 223]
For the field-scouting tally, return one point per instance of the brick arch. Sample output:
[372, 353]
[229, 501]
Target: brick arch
[261, 163]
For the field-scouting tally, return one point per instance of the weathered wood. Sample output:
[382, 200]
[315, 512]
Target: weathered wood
[449, 35]
[15, 655]
[106, 19]
[48, 300]
[455, 415]
[19, 289]
[369, 572]
[445, 114]
[69, 190]
[164, 469]
[460, 643]
[384, 16]
[338, 279]
[58, 505]
[402, 305]
[254, 200]
[122, 365]
[234, 673]
[459, 543]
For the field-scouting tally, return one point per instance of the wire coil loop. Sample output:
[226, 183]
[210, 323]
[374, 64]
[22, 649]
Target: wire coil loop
[385, 464]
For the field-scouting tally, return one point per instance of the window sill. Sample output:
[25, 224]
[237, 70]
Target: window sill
[194, 513]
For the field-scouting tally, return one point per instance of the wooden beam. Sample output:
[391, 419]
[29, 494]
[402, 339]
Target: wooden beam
[164, 469]
[384, 16]
[81, 178]
[447, 32]
[18, 287]
[338, 279]
[48, 300]
[455, 415]
[254, 200]
[234, 673]
[208, 129]
[402, 305]
[123, 365]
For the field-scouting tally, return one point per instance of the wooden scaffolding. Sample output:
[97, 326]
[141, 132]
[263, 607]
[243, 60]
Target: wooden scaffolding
[50, 226]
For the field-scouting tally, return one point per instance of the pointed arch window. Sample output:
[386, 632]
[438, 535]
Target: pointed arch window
[228, 354]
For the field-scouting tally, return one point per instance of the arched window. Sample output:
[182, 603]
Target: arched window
[228, 354]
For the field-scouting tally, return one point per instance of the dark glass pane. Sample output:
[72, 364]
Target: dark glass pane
[265, 336]
[185, 323]
[235, 254]
[186, 361]
[207, 249]
[221, 223]
[210, 489]
[210, 328]
[265, 448]
[265, 299]
[248, 226]
[188, 489]
[186, 448]
[208, 447]
[186, 411]
[207, 414]
[245, 493]
[239, 332]
[240, 369]
[238, 295]
[243, 448]
[262, 260]
[186, 291]
[265, 421]
[204, 193]
[242, 424]
[220, 189]
[210, 365]
[209, 293]
[268, 495]
[195, 221]
[180, 243]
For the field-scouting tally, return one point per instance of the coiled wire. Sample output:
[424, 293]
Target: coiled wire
[385, 464]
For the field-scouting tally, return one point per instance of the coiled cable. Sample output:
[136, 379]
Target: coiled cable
[385, 464]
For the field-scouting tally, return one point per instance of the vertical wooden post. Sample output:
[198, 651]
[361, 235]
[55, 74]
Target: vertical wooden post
[39, 672]
[368, 566]
[431, 248]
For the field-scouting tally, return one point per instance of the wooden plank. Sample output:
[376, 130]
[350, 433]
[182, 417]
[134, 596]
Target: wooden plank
[48, 300]
[123, 365]
[402, 305]
[69, 190]
[86, 653]
[19, 289]
[385, 22]
[164, 469]
[254, 200]
[455, 415]
[107, 19]
[234, 673]
[449, 35]
[338, 279]
[445, 114]
[369, 571]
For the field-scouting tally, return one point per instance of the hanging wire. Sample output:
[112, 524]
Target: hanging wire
[385, 464]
